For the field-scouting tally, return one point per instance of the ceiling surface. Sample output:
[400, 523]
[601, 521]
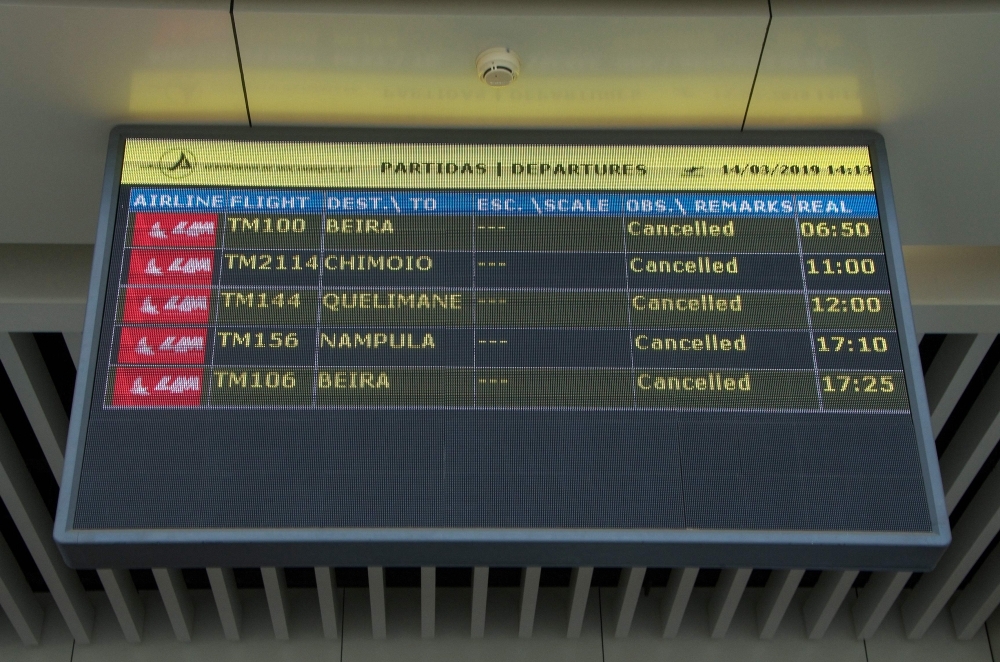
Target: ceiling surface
[924, 74]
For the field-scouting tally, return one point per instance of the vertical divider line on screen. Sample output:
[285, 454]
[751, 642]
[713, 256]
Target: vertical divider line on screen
[319, 301]
[805, 294]
[213, 330]
[120, 292]
[475, 318]
[628, 309]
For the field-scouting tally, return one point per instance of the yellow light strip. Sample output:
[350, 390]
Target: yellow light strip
[516, 167]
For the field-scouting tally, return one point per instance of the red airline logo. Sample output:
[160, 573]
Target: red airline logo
[170, 267]
[173, 229]
[166, 305]
[157, 387]
[157, 345]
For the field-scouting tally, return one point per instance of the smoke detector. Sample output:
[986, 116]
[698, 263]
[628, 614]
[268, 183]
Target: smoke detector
[498, 66]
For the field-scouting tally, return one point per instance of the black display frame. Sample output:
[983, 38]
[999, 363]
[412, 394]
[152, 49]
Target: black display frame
[501, 547]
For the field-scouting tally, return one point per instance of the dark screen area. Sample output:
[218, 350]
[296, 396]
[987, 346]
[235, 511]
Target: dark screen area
[593, 370]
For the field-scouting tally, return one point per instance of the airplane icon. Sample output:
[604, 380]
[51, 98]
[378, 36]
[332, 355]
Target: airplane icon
[693, 171]
[156, 232]
[142, 347]
[152, 269]
[148, 307]
[138, 388]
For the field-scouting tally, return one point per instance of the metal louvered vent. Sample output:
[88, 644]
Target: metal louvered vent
[523, 610]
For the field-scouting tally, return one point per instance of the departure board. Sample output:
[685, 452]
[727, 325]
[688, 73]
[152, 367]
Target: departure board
[503, 348]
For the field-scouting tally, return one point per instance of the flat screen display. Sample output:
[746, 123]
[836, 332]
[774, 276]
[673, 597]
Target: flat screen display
[461, 348]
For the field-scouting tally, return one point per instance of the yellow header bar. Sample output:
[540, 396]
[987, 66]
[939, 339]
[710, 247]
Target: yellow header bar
[487, 167]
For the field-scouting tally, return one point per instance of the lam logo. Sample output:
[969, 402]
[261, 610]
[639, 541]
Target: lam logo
[177, 163]
[138, 388]
[183, 229]
[178, 384]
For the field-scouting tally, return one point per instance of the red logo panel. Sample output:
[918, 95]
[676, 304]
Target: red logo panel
[166, 305]
[174, 230]
[158, 345]
[157, 387]
[148, 267]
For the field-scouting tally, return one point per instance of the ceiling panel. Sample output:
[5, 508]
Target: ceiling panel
[927, 78]
[69, 73]
[678, 64]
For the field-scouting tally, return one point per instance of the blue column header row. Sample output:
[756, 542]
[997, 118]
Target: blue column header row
[760, 205]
